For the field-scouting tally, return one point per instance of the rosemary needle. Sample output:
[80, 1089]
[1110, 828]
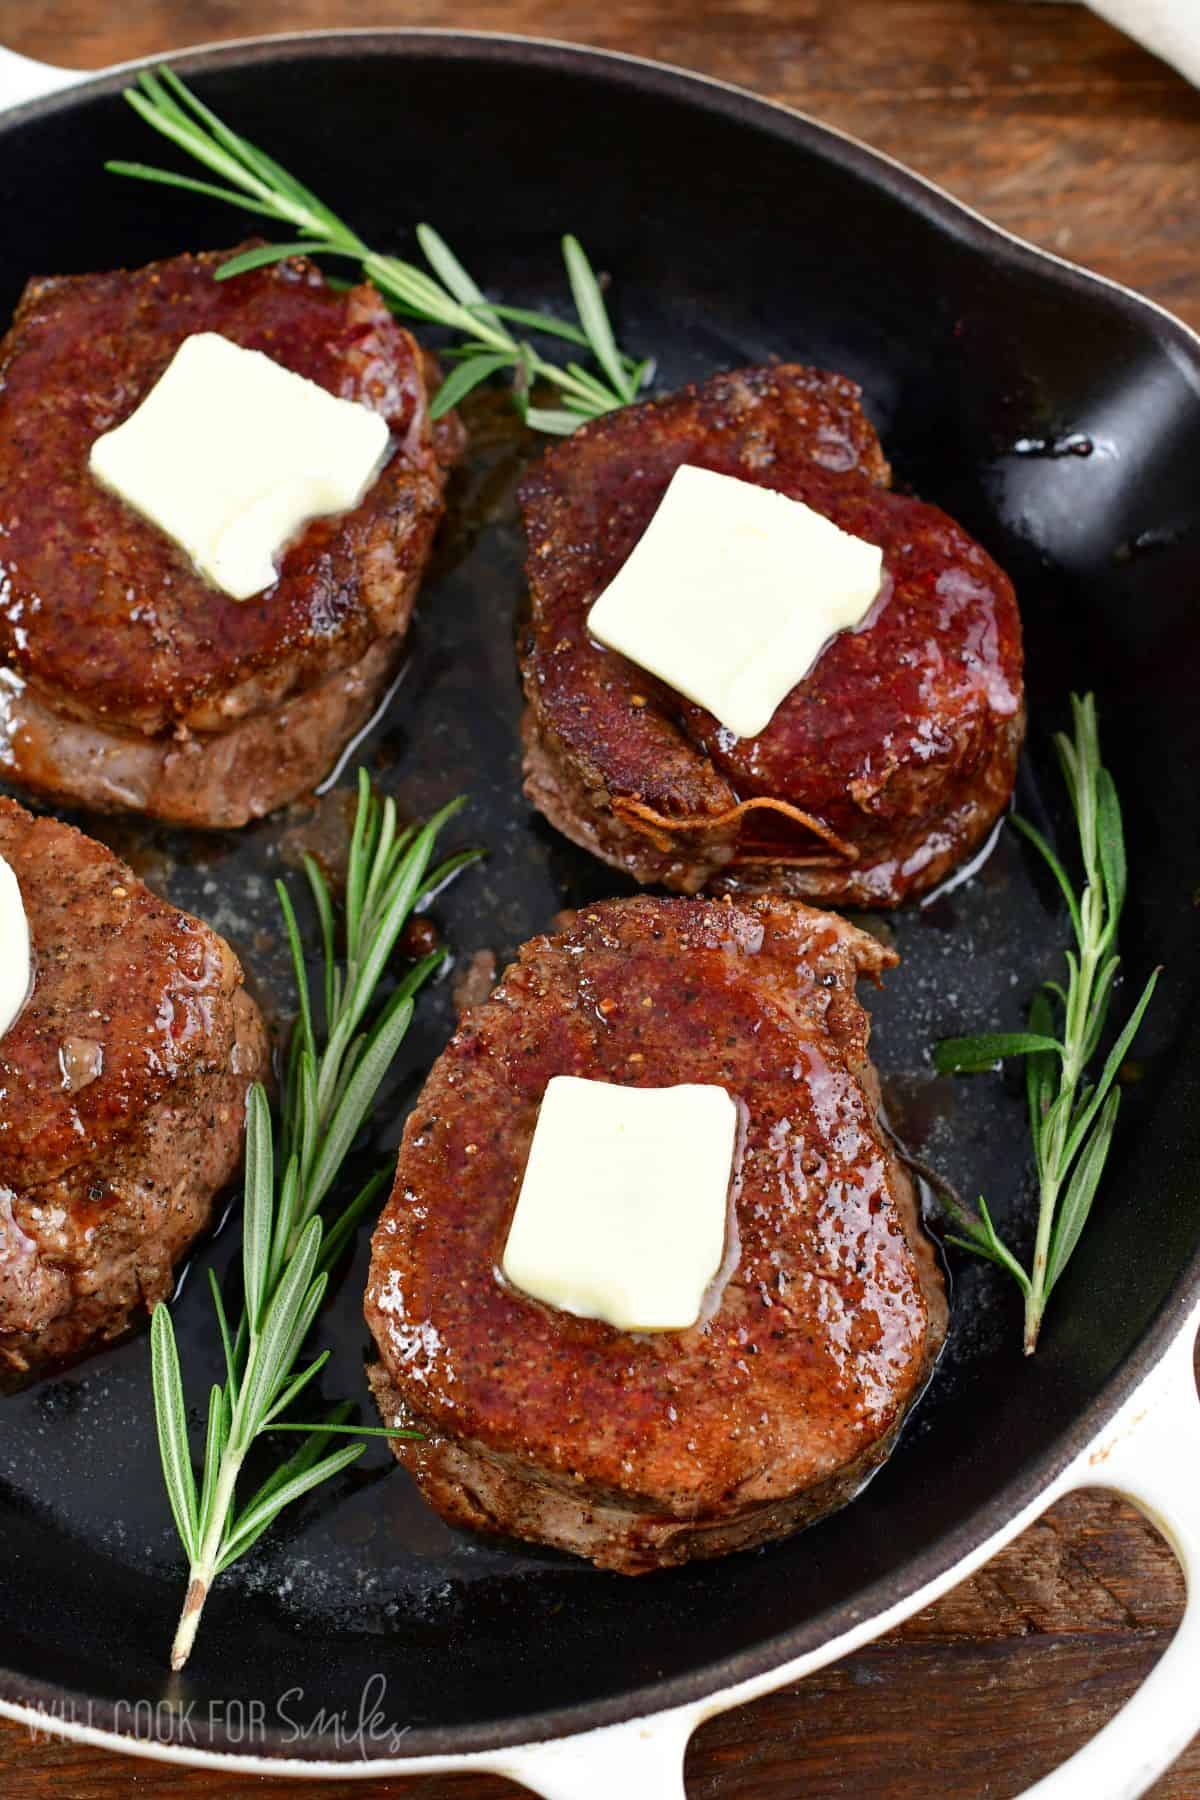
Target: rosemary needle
[1071, 1117]
[448, 296]
[288, 1246]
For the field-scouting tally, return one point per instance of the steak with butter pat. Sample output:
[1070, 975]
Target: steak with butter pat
[122, 1095]
[126, 680]
[642, 1450]
[882, 768]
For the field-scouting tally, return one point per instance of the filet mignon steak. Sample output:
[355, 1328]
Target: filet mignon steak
[126, 681]
[641, 1450]
[883, 768]
[122, 1094]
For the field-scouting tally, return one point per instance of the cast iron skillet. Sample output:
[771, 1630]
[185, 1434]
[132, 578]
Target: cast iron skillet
[1059, 419]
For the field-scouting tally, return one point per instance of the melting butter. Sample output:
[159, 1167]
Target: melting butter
[623, 1206]
[230, 454]
[16, 959]
[732, 592]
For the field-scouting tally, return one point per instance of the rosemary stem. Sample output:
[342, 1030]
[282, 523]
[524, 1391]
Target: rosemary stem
[1035, 1300]
[561, 378]
[1054, 1173]
[441, 294]
[1071, 1115]
[388, 275]
[203, 1570]
[287, 1248]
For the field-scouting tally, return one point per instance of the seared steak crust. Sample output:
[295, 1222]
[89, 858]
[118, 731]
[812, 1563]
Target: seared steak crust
[122, 1090]
[645, 1449]
[103, 620]
[215, 779]
[880, 770]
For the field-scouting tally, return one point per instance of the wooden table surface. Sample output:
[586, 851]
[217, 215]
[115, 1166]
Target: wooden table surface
[1057, 127]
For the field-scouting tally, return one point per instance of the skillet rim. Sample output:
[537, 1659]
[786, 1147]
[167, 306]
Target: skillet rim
[19, 1697]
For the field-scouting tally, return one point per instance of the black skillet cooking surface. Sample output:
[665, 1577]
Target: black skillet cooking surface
[1060, 421]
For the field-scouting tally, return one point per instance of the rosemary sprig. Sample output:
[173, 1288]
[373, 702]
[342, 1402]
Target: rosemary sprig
[448, 296]
[1071, 1117]
[288, 1246]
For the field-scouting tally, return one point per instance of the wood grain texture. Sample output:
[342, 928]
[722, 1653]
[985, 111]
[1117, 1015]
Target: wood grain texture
[1058, 128]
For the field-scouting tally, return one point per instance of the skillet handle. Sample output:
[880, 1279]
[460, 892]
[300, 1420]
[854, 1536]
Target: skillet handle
[614, 1762]
[22, 79]
[1155, 1464]
[1150, 1454]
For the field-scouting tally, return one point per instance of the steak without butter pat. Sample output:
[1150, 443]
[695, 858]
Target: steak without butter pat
[122, 1094]
[879, 772]
[126, 681]
[641, 1450]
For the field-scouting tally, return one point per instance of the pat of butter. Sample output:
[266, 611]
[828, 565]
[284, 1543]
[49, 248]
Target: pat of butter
[16, 966]
[732, 592]
[230, 453]
[623, 1208]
